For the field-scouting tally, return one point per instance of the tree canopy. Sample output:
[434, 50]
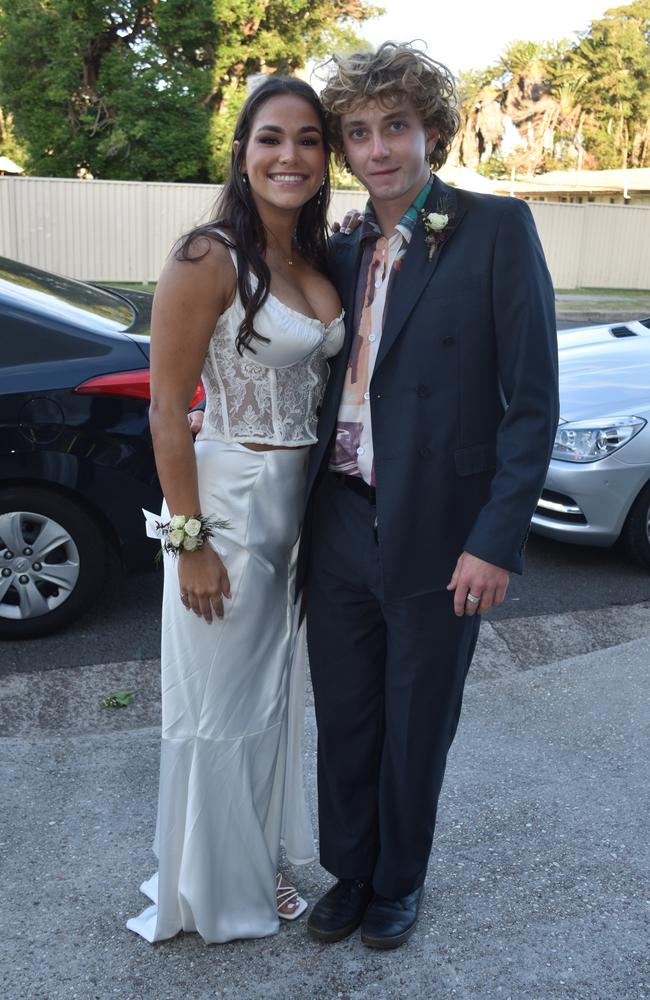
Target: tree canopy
[584, 104]
[149, 90]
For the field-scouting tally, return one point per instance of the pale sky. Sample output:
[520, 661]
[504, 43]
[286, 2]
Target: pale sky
[471, 34]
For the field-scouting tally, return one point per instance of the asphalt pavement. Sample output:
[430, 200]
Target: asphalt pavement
[125, 624]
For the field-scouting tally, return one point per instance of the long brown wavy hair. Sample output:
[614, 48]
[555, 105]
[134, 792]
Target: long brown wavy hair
[235, 211]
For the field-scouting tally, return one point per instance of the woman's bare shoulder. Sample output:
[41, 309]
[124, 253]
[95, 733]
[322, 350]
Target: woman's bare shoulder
[201, 266]
[213, 247]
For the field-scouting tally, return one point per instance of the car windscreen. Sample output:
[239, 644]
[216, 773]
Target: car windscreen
[62, 298]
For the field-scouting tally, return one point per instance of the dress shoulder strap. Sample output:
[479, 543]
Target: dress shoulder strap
[230, 248]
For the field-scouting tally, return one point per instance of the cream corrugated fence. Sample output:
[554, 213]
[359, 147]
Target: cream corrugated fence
[122, 230]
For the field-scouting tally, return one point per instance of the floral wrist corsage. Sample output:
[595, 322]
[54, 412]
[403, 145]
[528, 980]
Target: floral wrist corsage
[181, 533]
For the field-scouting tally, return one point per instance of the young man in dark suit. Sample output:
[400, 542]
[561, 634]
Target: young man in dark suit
[435, 435]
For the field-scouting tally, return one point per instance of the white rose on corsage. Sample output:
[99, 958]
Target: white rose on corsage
[182, 533]
[176, 536]
[436, 221]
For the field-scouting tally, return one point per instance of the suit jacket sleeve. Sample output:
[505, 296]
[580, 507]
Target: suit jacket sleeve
[526, 343]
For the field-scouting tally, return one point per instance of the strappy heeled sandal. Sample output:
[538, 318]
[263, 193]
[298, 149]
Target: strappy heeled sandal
[287, 895]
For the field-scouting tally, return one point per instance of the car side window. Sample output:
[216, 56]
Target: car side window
[25, 341]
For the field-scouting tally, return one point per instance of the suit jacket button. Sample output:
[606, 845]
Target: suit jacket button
[422, 391]
[448, 341]
[424, 452]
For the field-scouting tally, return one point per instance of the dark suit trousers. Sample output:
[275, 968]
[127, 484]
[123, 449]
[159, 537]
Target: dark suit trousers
[388, 683]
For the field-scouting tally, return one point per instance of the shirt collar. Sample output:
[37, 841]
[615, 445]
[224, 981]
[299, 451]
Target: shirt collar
[406, 225]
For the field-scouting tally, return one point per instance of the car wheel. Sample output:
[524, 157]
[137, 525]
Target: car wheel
[52, 562]
[636, 533]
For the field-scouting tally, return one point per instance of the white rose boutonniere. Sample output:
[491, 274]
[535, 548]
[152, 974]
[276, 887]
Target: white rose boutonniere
[436, 222]
[176, 536]
[190, 544]
[192, 527]
[436, 227]
[177, 522]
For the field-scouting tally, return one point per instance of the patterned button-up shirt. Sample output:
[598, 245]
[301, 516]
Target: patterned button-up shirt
[381, 259]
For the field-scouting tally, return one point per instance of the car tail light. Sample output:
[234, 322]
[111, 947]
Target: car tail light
[198, 397]
[133, 384]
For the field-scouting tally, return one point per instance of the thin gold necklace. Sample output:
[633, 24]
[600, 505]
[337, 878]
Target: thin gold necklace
[289, 260]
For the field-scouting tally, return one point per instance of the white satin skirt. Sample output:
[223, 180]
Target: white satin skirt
[231, 787]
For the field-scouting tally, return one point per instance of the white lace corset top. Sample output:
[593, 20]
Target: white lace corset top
[272, 396]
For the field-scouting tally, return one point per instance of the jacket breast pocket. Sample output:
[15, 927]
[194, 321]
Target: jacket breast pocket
[476, 458]
[472, 292]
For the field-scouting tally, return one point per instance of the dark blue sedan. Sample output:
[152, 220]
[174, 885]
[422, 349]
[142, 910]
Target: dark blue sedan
[76, 460]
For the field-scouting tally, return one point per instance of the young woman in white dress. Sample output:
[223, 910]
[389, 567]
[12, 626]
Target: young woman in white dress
[243, 303]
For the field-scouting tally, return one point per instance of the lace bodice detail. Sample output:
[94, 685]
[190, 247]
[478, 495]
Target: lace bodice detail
[272, 396]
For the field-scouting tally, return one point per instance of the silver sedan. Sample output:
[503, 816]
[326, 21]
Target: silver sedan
[598, 483]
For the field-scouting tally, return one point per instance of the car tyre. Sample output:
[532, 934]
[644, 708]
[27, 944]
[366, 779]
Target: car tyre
[81, 559]
[636, 533]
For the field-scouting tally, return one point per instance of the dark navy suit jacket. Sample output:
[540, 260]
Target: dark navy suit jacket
[463, 395]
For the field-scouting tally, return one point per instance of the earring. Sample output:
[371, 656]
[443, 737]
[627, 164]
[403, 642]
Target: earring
[244, 177]
[320, 194]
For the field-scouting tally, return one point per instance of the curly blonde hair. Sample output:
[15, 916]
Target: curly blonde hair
[391, 74]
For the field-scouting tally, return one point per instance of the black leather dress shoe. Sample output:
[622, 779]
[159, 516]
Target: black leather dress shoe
[339, 911]
[388, 923]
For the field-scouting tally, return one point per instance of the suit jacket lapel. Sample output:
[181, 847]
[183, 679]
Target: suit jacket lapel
[417, 269]
[344, 271]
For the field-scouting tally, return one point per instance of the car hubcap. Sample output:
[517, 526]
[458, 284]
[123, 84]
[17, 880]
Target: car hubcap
[40, 565]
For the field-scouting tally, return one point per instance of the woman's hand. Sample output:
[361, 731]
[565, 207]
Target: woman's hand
[203, 581]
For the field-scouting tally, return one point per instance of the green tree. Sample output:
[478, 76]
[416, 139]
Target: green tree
[583, 103]
[9, 144]
[612, 64]
[113, 89]
[149, 90]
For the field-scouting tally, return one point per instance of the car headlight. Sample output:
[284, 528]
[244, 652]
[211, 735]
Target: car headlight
[591, 440]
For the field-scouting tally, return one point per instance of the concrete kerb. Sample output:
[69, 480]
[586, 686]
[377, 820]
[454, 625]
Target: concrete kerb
[598, 316]
[534, 888]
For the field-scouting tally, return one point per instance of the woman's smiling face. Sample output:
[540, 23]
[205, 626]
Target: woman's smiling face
[285, 154]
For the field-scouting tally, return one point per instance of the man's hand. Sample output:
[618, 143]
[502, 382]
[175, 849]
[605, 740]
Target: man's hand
[480, 579]
[195, 420]
[351, 220]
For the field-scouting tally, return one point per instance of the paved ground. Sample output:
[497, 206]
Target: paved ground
[538, 881]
